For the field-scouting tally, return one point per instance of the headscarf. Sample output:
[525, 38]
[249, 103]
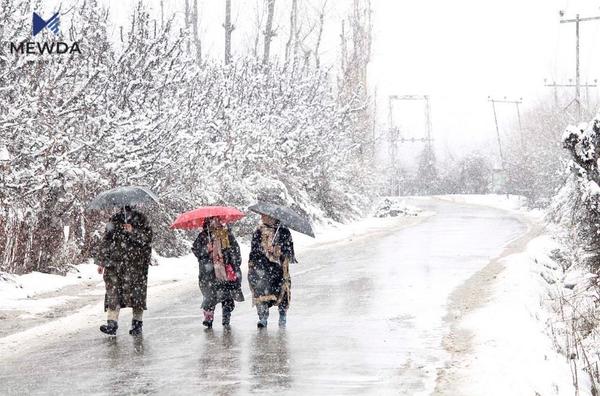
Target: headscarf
[217, 241]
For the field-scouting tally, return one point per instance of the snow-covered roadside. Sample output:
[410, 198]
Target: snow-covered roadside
[510, 348]
[514, 203]
[37, 305]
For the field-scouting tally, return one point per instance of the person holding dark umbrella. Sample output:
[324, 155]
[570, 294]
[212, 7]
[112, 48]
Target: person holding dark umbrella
[124, 256]
[271, 253]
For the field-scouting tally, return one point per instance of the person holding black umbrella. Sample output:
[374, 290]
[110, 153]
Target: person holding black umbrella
[123, 258]
[272, 251]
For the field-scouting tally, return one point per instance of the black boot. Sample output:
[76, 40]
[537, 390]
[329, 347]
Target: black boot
[226, 319]
[263, 315]
[110, 327]
[136, 327]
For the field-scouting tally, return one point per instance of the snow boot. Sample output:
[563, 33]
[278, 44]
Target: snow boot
[110, 327]
[136, 327]
[226, 320]
[262, 323]
[208, 318]
[282, 317]
[263, 315]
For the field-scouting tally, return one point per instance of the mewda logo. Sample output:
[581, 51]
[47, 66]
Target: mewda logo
[38, 24]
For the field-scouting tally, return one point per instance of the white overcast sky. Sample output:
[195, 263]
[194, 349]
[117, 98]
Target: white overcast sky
[461, 51]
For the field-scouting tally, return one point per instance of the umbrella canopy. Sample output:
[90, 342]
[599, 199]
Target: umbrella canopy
[286, 217]
[123, 196]
[195, 218]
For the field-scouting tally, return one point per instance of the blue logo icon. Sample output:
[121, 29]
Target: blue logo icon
[39, 24]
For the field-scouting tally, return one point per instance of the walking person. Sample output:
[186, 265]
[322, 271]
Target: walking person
[123, 259]
[271, 252]
[220, 275]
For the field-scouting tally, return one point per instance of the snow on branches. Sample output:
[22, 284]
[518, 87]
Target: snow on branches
[147, 112]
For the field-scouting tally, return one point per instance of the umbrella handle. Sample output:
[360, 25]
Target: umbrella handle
[275, 235]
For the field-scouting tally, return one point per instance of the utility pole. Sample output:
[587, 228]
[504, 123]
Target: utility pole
[569, 85]
[516, 103]
[394, 134]
[395, 138]
[497, 132]
[427, 139]
[577, 21]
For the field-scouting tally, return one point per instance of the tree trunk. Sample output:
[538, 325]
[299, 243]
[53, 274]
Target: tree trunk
[292, 36]
[162, 14]
[269, 30]
[320, 36]
[187, 25]
[197, 42]
[228, 29]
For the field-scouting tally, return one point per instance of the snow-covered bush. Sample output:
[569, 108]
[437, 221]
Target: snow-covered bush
[577, 206]
[576, 212]
[470, 175]
[147, 113]
[534, 157]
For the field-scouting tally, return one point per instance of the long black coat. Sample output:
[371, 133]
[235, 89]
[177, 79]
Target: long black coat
[213, 290]
[270, 281]
[125, 257]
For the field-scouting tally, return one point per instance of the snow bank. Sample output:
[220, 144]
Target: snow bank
[513, 352]
[499, 201]
[395, 206]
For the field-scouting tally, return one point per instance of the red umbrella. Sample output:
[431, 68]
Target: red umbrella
[195, 218]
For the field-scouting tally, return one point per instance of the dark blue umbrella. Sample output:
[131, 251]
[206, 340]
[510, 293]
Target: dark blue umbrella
[286, 216]
[123, 196]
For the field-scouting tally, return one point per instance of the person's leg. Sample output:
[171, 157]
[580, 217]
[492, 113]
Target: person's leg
[112, 318]
[209, 315]
[263, 314]
[282, 314]
[111, 301]
[113, 314]
[283, 306]
[228, 306]
[137, 322]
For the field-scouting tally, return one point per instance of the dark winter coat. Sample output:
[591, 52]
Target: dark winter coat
[125, 257]
[215, 291]
[269, 280]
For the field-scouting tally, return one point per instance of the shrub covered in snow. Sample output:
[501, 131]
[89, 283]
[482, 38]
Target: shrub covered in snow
[576, 211]
[577, 206]
[146, 112]
[394, 207]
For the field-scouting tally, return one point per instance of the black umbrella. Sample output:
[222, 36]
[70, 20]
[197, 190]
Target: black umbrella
[286, 217]
[123, 196]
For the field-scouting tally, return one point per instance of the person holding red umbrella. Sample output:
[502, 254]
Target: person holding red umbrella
[219, 259]
[220, 274]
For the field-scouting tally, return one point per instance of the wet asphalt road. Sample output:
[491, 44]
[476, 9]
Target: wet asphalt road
[366, 318]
